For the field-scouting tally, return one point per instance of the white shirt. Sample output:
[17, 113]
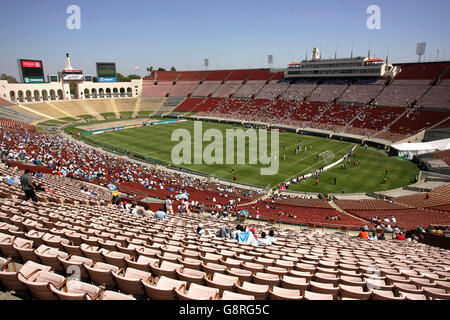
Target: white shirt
[264, 241]
[272, 239]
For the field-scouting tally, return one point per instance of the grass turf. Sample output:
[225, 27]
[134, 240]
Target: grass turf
[57, 122]
[368, 176]
[69, 119]
[155, 142]
[86, 116]
[108, 114]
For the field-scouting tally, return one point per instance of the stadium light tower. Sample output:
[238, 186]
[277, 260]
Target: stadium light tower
[270, 60]
[206, 63]
[420, 50]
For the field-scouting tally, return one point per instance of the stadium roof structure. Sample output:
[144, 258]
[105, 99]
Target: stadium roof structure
[422, 147]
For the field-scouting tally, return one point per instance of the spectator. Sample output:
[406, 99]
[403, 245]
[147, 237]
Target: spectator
[247, 237]
[200, 229]
[133, 209]
[263, 240]
[271, 237]
[186, 205]
[115, 196]
[27, 186]
[148, 212]
[238, 230]
[363, 234]
[254, 233]
[400, 236]
[168, 204]
[409, 235]
[160, 214]
[180, 208]
[224, 233]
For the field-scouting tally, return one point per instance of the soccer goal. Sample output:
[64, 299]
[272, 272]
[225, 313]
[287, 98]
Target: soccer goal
[326, 156]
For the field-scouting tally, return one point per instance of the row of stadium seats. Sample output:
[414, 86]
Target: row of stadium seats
[406, 89]
[53, 152]
[317, 114]
[124, 257]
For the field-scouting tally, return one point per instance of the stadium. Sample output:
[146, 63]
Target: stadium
[357, 209]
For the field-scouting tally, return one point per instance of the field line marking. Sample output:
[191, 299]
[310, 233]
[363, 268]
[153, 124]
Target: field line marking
[316, 163]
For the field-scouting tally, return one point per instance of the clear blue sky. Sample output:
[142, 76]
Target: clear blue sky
[231, 33]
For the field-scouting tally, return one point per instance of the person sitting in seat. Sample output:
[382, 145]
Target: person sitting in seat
[160, 214]
[363, 234]
[200, 229]
[400, 236]
[225, 217]
[238, 230]
[115, 196]
[148, 212]
[213, 215]
[263, 240]
[373, 237]
[224, 233]
[133, 209]
[271, 236]
[247, 237]
[254, 233]
[409, 235]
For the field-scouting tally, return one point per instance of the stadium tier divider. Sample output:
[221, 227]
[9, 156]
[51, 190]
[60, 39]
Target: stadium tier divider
[13, 117]
[19, 113]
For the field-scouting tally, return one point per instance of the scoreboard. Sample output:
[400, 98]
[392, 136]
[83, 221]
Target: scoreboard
[106, 71]
[72, 75]
[31, 71]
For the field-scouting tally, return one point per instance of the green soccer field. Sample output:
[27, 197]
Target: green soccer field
[155, 142]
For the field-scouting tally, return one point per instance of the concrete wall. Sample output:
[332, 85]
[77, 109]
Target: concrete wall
[36, 92]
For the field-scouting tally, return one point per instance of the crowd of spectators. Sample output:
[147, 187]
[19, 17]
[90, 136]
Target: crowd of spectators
[68, 158]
